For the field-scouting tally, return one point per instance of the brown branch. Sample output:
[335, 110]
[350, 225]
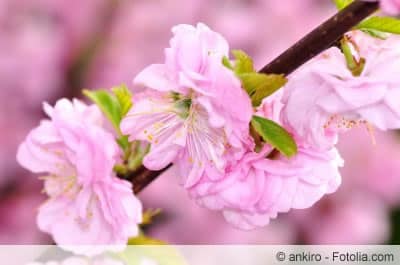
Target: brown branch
[320, 39]
[143, 177]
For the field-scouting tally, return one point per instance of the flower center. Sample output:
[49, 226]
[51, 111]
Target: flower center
[183, 106]
[55, 186]
[205, 143]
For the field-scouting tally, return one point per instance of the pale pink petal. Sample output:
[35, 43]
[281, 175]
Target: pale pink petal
[155, 77]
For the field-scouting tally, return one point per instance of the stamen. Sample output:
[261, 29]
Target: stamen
[204, 143]
[342, 123]
[371, 132]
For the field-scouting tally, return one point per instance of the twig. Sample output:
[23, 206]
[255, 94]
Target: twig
[143, 177]
[320, 39]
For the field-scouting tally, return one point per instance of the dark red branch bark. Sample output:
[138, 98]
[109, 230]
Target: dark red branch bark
[320, 38]
[143, 177]
[311, 45]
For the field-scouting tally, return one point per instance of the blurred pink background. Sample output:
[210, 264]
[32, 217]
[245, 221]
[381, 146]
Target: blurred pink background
[54, 48]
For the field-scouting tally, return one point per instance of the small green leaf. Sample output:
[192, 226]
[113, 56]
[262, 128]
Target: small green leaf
[257, 85]
[376, 33]
[340, 4]
[227, 63]
[382, 24]
[252, 81]
[356, 66]
[260, 86]
[243, 62]
[108, 104]
[123, 142]
[124, 97]
[275, 135]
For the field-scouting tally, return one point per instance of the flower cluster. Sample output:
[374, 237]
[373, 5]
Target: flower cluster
[88, 204]
[223, 129]
[196, 114]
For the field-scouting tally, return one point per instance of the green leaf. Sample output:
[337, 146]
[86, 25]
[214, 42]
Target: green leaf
[243, 62]
[376, 33]
[340, 4]
[275, 135]
[260, 86]
[227, 63]
[124, 97]
[108, 104]
[382, 24]
[257, 85]
[123, 142]
[252, 81]
[356, 66]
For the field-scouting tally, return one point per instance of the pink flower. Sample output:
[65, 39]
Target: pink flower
[88, 204]
[189, 61]
[323, 98]
[197, 108]
[255, 189]
[391, 7]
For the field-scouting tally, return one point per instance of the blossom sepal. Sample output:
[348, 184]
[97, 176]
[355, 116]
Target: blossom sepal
[257, 85]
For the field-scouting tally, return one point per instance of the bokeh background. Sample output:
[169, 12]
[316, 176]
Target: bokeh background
[54, 48]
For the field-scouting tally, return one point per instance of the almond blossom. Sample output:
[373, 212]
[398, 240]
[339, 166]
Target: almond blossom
[196, 109]
[88, 204]
[257, 188]
[323, 98]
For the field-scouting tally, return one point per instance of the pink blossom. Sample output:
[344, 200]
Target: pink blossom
[391, 7]
[255, 189]
[323, 98]
[197, 109]
[88, 204]
[189, 61]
